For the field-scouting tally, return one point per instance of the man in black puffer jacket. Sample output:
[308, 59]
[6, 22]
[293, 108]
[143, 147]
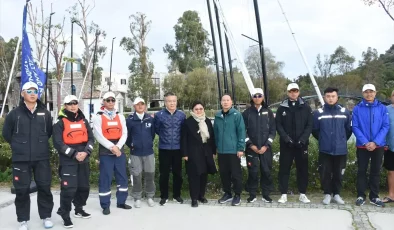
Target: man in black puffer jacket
[260, 133]
[28, 128]
[73, 139]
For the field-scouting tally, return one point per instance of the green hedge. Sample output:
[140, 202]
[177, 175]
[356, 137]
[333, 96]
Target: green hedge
[214, 185]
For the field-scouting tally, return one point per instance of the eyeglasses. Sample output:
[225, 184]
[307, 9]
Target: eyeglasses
[257, 96]
[110, 100]
[72, 103]
[31, 91]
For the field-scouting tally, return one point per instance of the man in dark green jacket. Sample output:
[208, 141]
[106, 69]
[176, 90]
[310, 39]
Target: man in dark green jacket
[229, 129]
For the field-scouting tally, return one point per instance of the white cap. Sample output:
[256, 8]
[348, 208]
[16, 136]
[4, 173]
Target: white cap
[138, 100]
[70, 98]
[369, 87]
[108, 95]
[29, 85]
[292, 86]
[257, 91]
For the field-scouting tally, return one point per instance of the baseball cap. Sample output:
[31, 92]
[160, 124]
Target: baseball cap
[292, 86]
[369, 87]
[257, 91]
[70, 98]
[108, 95]
[138, 100]
[29, 85]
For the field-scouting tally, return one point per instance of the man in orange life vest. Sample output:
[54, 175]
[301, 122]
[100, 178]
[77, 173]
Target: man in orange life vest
[110, 130]
[73, 139]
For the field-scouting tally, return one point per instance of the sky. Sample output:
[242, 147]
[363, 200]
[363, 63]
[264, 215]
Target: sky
[319, 26]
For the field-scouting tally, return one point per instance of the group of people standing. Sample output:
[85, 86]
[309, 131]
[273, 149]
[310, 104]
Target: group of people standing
[196, 141]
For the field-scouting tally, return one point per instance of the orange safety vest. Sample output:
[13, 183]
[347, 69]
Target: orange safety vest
[74, 132]
[112, 129]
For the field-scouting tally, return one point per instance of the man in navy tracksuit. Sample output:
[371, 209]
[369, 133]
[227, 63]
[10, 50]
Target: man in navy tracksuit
[168, 123]
[332, 127]
[140, 136]
[370, 124]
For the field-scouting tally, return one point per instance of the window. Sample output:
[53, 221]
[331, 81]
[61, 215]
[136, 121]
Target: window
[123, 81]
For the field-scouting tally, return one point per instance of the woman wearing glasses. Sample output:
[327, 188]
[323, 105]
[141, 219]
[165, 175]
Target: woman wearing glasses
[74, 140]
[198, 147]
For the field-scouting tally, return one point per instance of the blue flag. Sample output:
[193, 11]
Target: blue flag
[30, 70]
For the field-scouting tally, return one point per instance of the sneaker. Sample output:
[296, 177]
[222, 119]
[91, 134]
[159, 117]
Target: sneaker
[203, 200]
[304, 199]
[82, 214]
[163, 202]
[338, 199]
[327, 199]
[194, 204]
[151, 202]
[267, 199]
[23, 225]
[360, 201]
[137, 203]
[106, 211]
[47, 223]
[251, 199]
[283, 199]
[377, 202]
[67, 223]
[179, 200]
[123, 206]
[225, 198]
[236, 200]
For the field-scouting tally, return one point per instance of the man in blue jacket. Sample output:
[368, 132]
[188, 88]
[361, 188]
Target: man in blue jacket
[332, 127]
[140, 136]
[168, 123]
[370, 125]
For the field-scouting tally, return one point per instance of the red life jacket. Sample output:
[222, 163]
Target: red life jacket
[112, 129]
[74, 132]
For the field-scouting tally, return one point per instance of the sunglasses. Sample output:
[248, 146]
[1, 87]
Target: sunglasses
[258, 96]
[72, 103]
[31, 91]
[110, 100]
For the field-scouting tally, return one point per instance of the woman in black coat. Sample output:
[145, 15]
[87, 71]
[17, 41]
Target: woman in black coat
[198, 148]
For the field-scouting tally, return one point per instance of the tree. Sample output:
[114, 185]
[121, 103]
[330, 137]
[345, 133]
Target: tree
[7, 52]
[201, 85]
[175, 83]
[141, 69]
[191, 44]
[385, 4]
[338, 63]
[38, 29]
[370, 67]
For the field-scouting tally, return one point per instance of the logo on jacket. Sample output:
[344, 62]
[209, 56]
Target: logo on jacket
[284, 113]
[148, 125]
[65, 183]
[16, 178]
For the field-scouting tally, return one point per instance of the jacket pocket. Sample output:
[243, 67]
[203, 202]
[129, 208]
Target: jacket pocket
[20, 175]
[68, 175]
[19, 145]
[43, 145]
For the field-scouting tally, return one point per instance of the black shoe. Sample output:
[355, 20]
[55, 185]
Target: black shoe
[236, 200]
[123, 206]
[267, 199]
[194, 203]
[67, 223]
[360, 201]
[82, 214]
[106, 211]
[225, 198]
[203, 200]
[377, 202]
[163, 202]
[179, 200]
[251, 199]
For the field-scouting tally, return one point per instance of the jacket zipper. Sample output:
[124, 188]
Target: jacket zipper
[224, 128]
[17, 125]
[45, 125]
[370, 124]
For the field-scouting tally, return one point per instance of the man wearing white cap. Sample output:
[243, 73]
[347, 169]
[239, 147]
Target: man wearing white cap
[294, 122]
[141, 133]
[260, 133]
[27, 129]
[109, 129]
[370, 124]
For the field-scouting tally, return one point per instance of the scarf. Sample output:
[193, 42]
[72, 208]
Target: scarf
[203, 128]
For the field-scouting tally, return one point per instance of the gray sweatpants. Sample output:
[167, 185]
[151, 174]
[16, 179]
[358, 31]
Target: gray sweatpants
[137, 165]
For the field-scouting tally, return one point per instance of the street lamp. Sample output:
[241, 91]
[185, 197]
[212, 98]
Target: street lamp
[110, 67]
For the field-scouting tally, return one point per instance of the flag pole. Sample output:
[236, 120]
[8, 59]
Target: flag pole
[46, 73]
[91, 83]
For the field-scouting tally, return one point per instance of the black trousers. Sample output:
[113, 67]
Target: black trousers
[363, 157]
[286, 158]
[75, 187]
[21, 179]
[331, 170]
[230, 171]
[197, 185]
[170, 160]
[264, 162]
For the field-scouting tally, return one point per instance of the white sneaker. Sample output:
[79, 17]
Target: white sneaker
[23, 225]
[283, 199]
[304, 199]
[338, 199]
[151, 202]
[327, 199]
[137, 203]
[47, 223]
